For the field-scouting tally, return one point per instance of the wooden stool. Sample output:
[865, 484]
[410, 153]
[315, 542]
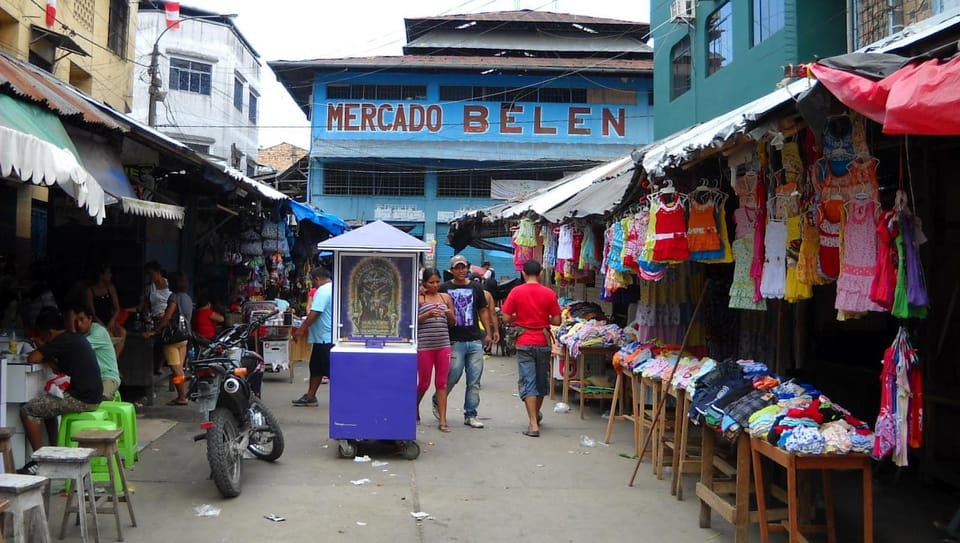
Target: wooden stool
[5, 435]
[72, 464]
[3, 507]
[104, 443]
[25, 496]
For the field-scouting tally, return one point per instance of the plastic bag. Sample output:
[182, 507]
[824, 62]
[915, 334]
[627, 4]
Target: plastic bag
[58, 385]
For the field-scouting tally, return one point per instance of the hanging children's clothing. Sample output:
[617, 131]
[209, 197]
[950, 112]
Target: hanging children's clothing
[838, 143]
[884, 283]
[742, 287]
[902, 306]
[565, 243]
[703, 236]
[773, 280]
[549, 238]
[859, 258]
[670, 240]
[524, 243]
[795, 290]
[808, 262]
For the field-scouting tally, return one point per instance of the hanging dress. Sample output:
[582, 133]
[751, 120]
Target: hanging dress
[859, 259]
[703, 236]
[884, 282]
[741, 289]
[773, 280]
[670, 243]
[808, 261]
[726, 251]
[795, 290]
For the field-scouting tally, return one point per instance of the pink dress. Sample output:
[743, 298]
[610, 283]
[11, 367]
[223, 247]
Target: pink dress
[859, 261]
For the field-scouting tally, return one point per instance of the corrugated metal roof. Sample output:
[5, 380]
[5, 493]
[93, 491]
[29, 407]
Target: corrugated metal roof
[35, 85]
[678, 148]
[529, 41]
[527, 15]
[452, 62]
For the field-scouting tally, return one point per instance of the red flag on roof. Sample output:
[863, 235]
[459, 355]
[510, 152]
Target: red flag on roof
[51, 12]
[173, 14]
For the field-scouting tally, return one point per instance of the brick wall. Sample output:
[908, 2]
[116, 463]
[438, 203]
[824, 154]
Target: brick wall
[875, 17]
[280, 156]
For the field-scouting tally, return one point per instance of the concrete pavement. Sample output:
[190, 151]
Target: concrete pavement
[491, 484]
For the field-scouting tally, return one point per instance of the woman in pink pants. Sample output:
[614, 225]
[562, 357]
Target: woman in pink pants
[434, 315]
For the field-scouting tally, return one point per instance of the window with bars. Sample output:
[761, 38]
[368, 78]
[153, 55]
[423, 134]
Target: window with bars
[238, 94]
[190, 76]
[720, 38]
[680, 72]
[252, 107]
[475, 184]
[350, 179]
[376, 92]
[119, 21]
[463, 93]
[768, 19]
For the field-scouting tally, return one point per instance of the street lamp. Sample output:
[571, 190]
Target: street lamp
[156, 93]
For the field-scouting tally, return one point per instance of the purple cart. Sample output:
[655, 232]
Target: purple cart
[373, 364]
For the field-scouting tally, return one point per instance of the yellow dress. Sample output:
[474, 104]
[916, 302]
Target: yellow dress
[795, 290]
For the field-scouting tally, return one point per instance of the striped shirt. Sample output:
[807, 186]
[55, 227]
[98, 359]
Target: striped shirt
[433, 332]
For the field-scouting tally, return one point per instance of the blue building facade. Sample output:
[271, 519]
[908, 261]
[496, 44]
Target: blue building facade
[418, 139]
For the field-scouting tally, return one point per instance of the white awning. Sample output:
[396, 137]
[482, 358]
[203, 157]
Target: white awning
[33, 159]
[265, 190]
[152, 209]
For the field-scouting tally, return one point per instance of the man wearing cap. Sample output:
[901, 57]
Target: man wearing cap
[467, 339]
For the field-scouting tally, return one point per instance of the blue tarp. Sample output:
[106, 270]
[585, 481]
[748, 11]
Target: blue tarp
[331, 223]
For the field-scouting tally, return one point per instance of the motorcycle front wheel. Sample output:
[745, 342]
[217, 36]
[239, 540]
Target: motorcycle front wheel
[223, 452]
[266, 439]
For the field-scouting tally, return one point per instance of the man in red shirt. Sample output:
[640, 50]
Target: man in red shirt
[532, 307]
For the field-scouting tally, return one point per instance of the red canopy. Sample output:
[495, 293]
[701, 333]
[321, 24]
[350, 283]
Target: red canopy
[921, 98]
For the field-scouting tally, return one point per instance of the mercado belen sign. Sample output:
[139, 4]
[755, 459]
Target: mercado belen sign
[543, 120]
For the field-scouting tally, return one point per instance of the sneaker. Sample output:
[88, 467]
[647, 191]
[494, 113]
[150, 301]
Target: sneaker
[324, 380]
[30, 468]
[306, 401]
[472, 422]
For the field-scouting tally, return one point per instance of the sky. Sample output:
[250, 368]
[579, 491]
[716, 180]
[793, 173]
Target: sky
[306, 29]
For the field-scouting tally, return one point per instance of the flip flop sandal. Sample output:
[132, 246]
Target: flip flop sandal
[531, 433]
[174, 402]
[444, 428]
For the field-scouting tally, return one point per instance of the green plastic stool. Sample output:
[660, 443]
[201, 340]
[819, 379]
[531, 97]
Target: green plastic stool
[98, 464]
[124, 415]
[68, 420]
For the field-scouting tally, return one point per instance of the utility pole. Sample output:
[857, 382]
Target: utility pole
[154, 90]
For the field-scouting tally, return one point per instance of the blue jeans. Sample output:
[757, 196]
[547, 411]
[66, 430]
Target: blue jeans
[467, 355]
[533, 368]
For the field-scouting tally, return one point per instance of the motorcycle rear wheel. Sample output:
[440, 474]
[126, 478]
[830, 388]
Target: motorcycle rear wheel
[223, 452]
[272, 449]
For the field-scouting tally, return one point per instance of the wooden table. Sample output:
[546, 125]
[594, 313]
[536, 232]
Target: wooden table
[624, 395]
[795, 463]
[605, 354]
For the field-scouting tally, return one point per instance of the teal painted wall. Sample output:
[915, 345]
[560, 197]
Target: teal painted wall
[811, 27]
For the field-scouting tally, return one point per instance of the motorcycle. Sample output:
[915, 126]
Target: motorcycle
[225, 381]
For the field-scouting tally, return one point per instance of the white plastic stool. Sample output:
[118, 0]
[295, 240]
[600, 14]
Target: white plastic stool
[25, 494]
[73, 464]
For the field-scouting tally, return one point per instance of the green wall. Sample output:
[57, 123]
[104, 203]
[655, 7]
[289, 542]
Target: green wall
[811, 27]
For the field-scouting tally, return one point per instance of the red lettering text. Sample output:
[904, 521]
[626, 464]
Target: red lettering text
[385, 108]
[618, 124]
[538, 127]
[334, 116]
[368, 112]
[400, 120]
[475, 119]
[417, 120]
[575, 121]
[434, 118]
[506, 118]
